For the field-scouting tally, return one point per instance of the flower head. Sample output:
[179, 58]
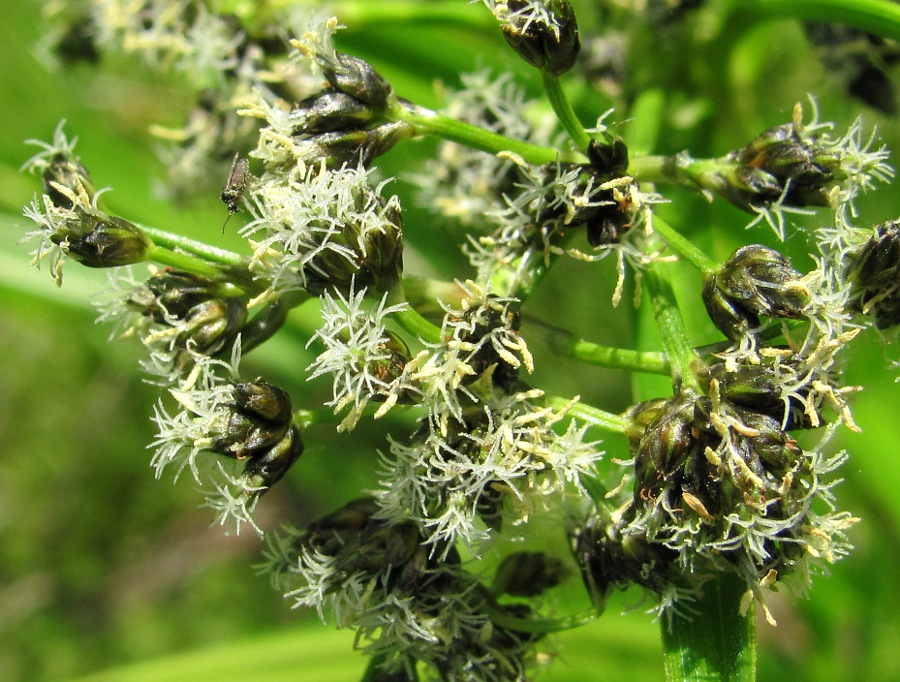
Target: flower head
[320, 229]
[715, 487]
[367, 361]
[543, 32]
[755, 280]
[250, 423]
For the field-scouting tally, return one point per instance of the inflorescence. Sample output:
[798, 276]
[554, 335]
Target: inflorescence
[729, 474]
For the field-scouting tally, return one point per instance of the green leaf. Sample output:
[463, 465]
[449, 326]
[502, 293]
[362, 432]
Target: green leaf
[312, 653]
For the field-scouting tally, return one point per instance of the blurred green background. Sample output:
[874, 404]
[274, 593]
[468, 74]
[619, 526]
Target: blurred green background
[104, 568]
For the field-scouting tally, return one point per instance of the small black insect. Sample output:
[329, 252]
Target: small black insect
[234, 186]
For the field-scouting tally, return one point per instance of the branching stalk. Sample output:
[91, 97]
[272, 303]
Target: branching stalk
[564, 112]
[427, 122]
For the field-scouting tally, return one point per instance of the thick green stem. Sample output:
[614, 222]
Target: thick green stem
[677, 169]
[564, 111]
[410, 320]
[681, 354]
[361, 13]
[200, 258]
[881, 17]
[417, 325]
[564, 343]
[427, 122]
[183, 261]
[684, 246]
[716, 642]
[211, 254]
[392, 12]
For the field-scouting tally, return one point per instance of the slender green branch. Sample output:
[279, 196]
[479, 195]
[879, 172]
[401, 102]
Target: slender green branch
[362, 13]
[564, 343]
[200, 258]
[679, 350]
[718, 644]
[608, 421]
[676, 169]
[211, 254]
[410, 320]
[684, 246]
[418, 326]
[427, 122]
[564, 111]
[881, 17]
[183, 261]
[392, 12]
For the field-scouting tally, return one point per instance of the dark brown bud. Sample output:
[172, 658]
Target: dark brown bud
[357, 78]
[553, 45]
[212, 325]
[666, 444]
[793, 162]
[754, 281]
[170, 294]
[264, 469]
[777, 451]
[331, 111]
[258, 420]
[875, 272]
[101, 241]
[609, 158]
[758, 387]
[352, 146]
[380, 546]
[263, 400]
[608, 560]
[332, 532]
[67, 172]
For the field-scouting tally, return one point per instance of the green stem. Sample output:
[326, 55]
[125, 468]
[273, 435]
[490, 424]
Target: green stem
[684, 246]
[427, 122]
[418, 326]
[608, 421]
[564, 111]
[183, 261]
[394, 11]
[881, 17]
[361, 13]
[200, 258]
[676, 169]
[211, 254]
[564, 343]
[716, 642]
[410, 320]
[681, 354]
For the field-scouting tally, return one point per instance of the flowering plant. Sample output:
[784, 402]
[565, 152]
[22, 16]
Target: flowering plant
[720, 487]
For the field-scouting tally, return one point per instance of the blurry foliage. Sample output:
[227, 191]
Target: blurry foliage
[102, 566]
